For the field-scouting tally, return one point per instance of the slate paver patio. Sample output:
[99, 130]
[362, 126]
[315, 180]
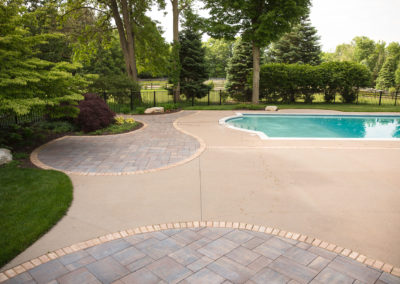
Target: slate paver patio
[158, 145]
[159, 257]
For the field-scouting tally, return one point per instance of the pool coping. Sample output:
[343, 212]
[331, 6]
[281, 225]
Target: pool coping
[377, 264]
[263, 136]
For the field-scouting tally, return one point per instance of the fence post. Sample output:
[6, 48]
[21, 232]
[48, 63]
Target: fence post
[357, 97]
[16, 119]
[380, 97]
[193, 100]
[395, 99]
[220, 98]
[208, 101]
[154, 98]
[105, 96]
[131, 99]
[173, 96]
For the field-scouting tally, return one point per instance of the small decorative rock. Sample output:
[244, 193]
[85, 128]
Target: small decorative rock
[5, 156]
[271, 108]
[154, 110]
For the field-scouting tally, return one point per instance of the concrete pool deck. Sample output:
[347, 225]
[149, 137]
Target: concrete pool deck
[342, 192]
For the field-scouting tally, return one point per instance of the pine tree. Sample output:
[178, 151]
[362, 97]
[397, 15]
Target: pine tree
[193, 65]
[386, 78]
[239, 69]
[298, 46]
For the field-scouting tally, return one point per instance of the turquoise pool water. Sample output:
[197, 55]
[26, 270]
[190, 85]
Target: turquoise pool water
[320, 126]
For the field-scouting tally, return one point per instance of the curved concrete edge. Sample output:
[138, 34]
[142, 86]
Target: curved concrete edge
[377, 264]
[35, 160]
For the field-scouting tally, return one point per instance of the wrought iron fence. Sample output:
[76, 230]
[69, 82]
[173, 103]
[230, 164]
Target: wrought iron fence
[130, 101]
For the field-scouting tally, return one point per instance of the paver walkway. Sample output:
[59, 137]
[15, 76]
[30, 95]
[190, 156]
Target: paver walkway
[158, 145]
[204, 255]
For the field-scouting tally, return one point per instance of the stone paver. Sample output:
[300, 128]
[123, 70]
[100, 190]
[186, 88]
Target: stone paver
[158, 145]
[189, 256]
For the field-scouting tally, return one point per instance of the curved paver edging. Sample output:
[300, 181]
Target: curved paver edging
[377, 264]
[36, 161]
[34, 155]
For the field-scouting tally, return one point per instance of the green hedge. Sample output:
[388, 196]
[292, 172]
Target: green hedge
[288, 82]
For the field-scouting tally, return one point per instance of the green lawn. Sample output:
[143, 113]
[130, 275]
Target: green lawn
[31, 202]
[338, 106]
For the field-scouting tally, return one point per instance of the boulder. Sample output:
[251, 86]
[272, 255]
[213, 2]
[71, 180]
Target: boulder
[154, 110]
[271, 108]
[5, 156]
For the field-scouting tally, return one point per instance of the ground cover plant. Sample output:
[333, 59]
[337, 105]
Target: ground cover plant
[31, 202]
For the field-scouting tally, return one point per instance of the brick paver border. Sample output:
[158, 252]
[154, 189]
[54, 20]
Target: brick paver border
[35, 160]
[377, 264]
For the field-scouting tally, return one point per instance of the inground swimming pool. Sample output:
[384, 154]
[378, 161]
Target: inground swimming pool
[318, 126]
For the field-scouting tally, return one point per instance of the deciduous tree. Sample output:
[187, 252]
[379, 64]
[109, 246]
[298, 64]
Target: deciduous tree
[259, 22]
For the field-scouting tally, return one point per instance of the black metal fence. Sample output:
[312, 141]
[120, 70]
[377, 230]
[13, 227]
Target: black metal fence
[147, 98]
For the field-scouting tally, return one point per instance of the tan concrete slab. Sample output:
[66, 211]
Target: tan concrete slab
[344, 192]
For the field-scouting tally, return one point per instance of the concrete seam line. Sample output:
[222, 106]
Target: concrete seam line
[377, 264]
[35, 160]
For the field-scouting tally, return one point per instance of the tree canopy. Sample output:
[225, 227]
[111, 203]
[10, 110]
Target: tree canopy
[259, 22]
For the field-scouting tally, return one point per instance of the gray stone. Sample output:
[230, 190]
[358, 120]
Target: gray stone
[389, 278]
[239, 236]
[203, 276]
[48, 271]
[128, 255]
[185, 256]
[319, 263]
[136, 265]
[333, 277]
[106, 249]
[269, 276]
[354, 269]
[199, 264]
[259, 263]
[230, 270]
[293, 270]
[271, 108]
[218, 248]
[299, 255]
[243, 255]
[5, 156]
[107, 270]
[141, 276]
[154, 110]
[79, 276]
[25, 278]
[169, 270]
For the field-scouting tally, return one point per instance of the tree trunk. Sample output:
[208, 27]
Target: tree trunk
[176, 63]
[256, 74]
[126, 38]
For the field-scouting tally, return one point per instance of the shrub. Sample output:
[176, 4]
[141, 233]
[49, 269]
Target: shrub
[288, 82]
[94, 113]
[170, 106]
[55, 126]
[140, 110]
[130, 120]
[119, 120]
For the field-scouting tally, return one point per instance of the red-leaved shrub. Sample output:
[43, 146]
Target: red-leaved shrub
[94, 113]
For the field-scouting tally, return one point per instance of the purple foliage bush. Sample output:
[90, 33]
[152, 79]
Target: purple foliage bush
[94, 113]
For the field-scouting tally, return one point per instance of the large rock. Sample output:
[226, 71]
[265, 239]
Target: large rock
[154, 110]
[5, 156]
[271, 108]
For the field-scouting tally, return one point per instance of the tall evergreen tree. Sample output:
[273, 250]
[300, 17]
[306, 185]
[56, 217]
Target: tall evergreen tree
[386, 78]
[239, 69]
[298, 46]
[193, 65]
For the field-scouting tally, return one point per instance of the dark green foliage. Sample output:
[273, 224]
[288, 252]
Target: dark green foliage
[300, 46]
[94, 113]
[55, 126]
[193, 66]
[386, 78]
[26, 81]
[31, 202]
[239, 69]
[287, 82]
[218, 54]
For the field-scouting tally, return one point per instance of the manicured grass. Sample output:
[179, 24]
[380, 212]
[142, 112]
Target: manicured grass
[31, 202]
[339, 107]
[113, 129]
